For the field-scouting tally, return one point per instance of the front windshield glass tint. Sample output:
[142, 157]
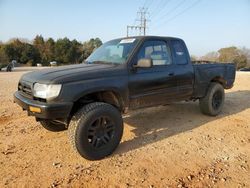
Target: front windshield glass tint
[113, 52]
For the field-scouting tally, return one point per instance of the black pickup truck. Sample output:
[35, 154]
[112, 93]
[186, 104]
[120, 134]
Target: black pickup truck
[89, 99]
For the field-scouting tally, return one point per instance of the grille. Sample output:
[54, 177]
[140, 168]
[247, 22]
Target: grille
[25, 89]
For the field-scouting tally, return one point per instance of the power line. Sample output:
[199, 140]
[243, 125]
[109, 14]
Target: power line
[159, 8]
[147, 3]
[172, 10]
[156, 7]
[144, 5]
[180, 13]
[194, 4]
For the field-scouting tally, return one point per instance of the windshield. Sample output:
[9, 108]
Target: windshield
[113, 52]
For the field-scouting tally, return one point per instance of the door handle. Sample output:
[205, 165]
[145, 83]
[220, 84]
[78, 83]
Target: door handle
[171, 74]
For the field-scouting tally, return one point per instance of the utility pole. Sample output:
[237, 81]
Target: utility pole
[142, 20]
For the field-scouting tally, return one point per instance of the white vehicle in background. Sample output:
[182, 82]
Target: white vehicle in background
[53, 63]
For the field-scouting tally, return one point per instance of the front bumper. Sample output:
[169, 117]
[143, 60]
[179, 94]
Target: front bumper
[48, 110]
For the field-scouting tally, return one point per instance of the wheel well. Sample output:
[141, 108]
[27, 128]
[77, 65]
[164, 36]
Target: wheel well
[220, 80]
[109, 97]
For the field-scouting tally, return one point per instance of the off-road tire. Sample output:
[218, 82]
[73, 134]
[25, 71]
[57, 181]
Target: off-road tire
[53, 126]
[86, 136]
[213, 102]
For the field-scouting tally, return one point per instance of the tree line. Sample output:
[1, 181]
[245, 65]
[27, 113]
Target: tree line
[63, 51]
[239, 56]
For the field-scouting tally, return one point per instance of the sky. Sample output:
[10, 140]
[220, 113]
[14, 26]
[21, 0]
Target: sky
[205, 25]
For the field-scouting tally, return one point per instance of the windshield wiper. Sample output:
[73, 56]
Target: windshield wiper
[101, 62]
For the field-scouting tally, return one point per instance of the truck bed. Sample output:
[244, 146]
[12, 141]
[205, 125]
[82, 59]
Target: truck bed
[206, 71]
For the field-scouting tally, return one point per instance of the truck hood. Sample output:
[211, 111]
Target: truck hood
[71, 73]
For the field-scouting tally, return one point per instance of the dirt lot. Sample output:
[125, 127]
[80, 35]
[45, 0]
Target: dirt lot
[167, 146]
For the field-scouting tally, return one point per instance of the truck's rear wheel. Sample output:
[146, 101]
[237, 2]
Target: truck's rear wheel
[213, 102]
[53, 126]
[96, 130]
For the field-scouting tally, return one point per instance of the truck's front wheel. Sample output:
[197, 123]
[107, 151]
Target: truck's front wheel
[213, 102]
[96, 130]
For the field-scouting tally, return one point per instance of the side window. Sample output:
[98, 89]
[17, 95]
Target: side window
[158, 51]
[179, 52]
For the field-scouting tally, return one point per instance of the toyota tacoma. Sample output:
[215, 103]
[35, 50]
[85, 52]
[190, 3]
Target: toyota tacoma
[89, 99]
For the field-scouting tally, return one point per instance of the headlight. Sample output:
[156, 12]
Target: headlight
[45, 91]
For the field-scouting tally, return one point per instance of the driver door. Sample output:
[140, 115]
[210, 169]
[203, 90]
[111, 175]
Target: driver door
[157, 84]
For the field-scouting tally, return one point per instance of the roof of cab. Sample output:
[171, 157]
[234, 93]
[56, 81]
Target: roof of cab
[151, 37]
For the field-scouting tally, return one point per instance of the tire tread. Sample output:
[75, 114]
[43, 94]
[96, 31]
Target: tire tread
[80, 116]
[204, 102]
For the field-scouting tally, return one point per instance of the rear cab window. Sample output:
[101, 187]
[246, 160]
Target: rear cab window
[179, 52]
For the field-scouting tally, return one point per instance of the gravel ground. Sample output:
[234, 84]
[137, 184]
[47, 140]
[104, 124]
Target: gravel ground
[166, 146]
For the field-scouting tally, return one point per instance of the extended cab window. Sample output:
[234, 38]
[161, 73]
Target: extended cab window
[158, 51]
[179, 52]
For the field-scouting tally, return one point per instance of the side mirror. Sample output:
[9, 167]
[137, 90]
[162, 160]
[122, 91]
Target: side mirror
[144, 63]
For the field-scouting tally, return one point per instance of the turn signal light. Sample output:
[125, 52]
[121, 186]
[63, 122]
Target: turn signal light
[35, 109]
